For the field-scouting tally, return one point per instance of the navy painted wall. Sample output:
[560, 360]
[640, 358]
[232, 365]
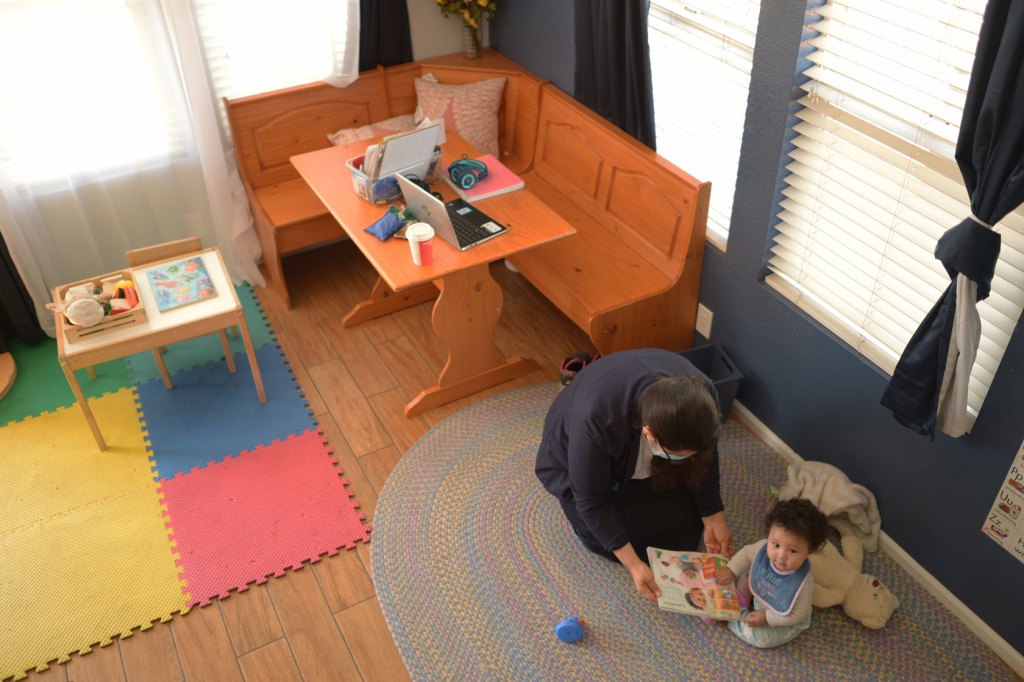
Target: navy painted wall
[818, 395]
[538, 35]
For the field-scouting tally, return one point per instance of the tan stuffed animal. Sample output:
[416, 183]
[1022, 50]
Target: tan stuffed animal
[838, 580]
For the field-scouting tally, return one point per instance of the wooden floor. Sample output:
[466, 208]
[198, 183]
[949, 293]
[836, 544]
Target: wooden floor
[323, 622]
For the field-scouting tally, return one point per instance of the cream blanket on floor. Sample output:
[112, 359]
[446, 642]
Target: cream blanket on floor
[831, 491]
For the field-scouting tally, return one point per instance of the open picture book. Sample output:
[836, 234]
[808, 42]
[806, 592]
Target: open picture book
[688, 584]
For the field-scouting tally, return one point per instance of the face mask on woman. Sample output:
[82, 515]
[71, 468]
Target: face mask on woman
[657, 451]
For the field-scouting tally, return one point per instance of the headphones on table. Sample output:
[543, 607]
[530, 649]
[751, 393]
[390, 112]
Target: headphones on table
[466, 172]
[415, 179]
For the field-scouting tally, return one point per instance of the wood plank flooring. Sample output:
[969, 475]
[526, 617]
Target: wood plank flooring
[323, 622]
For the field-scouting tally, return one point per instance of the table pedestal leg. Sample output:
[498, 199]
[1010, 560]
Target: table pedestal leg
[465, 316]
[84, 404]
[384, 301]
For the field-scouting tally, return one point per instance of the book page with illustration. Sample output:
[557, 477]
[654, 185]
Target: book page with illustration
[688, 584]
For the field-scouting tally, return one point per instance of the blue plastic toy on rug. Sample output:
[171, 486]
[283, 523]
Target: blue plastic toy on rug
[570, 630]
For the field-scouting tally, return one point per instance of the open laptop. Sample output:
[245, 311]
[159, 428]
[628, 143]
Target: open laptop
[457, 222]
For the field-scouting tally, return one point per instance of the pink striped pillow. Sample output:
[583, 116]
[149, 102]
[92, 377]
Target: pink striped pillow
[471, 110]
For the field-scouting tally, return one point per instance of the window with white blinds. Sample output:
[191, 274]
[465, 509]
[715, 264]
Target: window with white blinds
[871, 183]
[701, 56]
[253, 47]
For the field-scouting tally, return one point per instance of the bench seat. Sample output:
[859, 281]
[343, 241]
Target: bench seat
[290, 202]
[630, 277]
[591, 271]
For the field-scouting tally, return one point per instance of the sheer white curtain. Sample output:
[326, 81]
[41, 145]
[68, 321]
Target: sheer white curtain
[110, 136]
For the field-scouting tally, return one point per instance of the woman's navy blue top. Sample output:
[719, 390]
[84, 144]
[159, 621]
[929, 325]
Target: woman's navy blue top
[592, 436]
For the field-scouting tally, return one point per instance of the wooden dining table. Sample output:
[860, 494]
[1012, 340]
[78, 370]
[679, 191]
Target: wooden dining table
[468, 300]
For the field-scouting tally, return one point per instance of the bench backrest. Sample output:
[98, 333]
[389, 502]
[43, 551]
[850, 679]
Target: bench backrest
[270, 127]
[517, 126]
[645, 200]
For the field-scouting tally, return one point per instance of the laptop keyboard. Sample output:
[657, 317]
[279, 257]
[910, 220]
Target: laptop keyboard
[466, 231]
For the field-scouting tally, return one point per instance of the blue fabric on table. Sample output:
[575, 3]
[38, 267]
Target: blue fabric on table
[387, 225]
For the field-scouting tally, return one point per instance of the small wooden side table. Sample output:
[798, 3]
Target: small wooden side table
[159, 329]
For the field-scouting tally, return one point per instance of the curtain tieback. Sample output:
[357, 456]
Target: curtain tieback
[981, 222]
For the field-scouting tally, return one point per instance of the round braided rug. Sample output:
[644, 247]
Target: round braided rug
[474, 565]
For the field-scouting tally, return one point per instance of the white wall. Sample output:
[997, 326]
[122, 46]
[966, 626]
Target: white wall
[433, 34]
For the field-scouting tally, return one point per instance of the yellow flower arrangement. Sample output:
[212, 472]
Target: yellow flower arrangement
[469, 10]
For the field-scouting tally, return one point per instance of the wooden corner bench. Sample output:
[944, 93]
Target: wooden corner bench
[631, 276]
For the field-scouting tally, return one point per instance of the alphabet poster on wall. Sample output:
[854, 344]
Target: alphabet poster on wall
[1005, 523]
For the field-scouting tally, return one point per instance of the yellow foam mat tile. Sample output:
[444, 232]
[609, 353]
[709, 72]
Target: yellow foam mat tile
[84, 548]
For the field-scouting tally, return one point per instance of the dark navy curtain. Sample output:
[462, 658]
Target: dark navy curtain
[384, 36]
[990, 153]
[17, 313]
[613, 64]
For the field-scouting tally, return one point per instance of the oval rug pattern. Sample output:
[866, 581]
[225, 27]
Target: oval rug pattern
[474, 566]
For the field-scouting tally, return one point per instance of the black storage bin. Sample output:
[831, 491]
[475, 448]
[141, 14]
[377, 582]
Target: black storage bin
[719, 367]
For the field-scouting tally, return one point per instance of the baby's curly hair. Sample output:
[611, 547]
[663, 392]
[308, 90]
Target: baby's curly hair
[801, 518]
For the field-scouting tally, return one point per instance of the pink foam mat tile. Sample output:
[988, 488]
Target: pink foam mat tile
[246, 517]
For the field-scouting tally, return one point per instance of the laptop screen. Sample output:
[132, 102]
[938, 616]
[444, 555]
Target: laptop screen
[475, 227]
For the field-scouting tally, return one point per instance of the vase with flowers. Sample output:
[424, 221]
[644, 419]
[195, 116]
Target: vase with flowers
[471, 12]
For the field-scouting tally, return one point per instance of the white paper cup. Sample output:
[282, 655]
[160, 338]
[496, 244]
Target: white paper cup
[421, 243]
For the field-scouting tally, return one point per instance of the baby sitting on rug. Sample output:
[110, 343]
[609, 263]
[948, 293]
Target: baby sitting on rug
[776, 572]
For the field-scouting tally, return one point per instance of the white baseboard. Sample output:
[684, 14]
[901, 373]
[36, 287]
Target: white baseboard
[1013, 658]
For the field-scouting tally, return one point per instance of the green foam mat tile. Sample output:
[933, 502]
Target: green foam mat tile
[42, 387]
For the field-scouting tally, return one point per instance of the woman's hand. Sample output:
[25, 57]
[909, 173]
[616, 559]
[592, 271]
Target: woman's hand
[756, 618]
[717, 536]
[643, 578]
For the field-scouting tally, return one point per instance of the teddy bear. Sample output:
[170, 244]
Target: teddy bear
[838, 580]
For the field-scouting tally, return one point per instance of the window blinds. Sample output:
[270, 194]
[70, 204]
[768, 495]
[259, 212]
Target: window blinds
[871, 183]
[251, 48]
[709, 46]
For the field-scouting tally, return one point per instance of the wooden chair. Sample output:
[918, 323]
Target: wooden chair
[157, 252]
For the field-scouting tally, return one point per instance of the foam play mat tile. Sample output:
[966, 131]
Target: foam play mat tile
[42, 386]
[212, 413]
[249, 516]
[83, 535]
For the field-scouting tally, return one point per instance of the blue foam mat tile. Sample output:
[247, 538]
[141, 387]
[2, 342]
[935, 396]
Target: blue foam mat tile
[212, 413]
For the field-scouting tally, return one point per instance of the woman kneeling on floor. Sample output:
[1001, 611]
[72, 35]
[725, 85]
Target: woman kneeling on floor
[630, 450]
